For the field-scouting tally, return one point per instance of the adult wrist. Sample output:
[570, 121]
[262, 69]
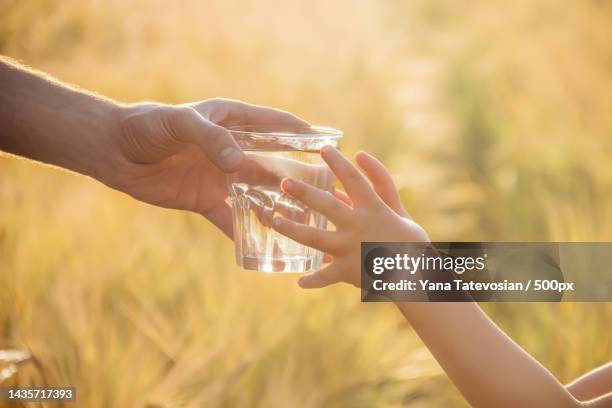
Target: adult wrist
[103, 154]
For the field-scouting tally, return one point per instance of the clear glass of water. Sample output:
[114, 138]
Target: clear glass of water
[271, 154]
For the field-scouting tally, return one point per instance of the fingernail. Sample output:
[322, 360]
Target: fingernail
[230, 156]
[286, 185]
[301, 282]
[326, 149]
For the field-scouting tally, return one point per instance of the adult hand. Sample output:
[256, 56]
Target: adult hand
[171, 156]
[177, 156]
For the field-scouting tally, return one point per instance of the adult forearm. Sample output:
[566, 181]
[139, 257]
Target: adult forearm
[484, 363]
[45, 120]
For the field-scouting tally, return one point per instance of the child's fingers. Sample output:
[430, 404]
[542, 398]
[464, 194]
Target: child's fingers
[319, 200]
[342, 196]
[326, 241]
[325, 277]
[355, 184]
[381, 181]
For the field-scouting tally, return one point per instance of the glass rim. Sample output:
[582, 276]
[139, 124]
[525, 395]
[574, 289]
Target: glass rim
[284, 131]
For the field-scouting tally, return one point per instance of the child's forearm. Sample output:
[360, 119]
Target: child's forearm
[593, 384]
[482, 361]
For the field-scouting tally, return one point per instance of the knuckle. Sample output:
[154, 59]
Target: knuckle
[339, 242]
[175, 116]
[309, 236]
[386, 184]
[331, 202]
[216, 136]
[295, 229]
[215, 100]
[183, 112]
[286, 226]
[329, 197]
[219, 109]
[353, 176]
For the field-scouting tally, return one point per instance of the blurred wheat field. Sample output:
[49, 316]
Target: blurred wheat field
[494, 118]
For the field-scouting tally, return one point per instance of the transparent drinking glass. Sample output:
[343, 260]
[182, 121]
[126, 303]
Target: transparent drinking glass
[271, 154]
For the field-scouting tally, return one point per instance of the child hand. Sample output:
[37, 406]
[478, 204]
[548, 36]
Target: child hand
[367, 212]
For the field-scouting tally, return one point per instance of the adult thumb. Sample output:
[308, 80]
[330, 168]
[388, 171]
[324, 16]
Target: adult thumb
[216, 141]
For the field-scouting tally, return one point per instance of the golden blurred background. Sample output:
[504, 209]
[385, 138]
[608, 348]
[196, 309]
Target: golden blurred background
[495, 118]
